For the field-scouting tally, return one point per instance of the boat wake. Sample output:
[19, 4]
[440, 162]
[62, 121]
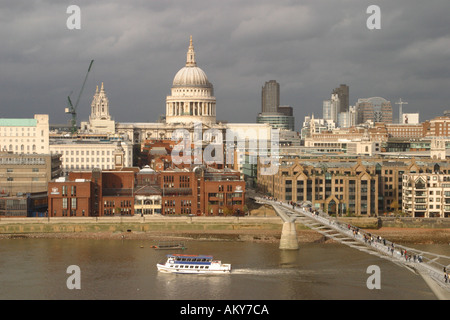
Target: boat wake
[271, 272]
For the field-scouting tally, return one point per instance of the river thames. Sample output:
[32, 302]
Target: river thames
[37, 269]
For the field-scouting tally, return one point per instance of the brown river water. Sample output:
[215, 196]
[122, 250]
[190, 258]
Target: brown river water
[37, 269]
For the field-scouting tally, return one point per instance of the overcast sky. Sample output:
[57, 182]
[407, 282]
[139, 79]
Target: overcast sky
[309, 47]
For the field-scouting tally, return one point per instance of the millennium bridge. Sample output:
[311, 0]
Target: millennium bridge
[431, 266]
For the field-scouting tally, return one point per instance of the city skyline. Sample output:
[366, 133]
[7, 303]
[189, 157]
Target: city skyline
[139, 46]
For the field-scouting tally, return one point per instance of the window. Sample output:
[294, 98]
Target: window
[73, 203]
[64, 203]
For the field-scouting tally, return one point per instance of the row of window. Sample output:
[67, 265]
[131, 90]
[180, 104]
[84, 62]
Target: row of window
[22, 148]
[32, 170]
[182, 266]
[71, 213]
[229, 195]
[77, 166]
[65, 203]
[12, 179]
[87, 160]
[82, 152]
[229, 187]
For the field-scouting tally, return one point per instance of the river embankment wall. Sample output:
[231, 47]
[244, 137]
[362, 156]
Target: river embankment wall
[136, 224]
[247, 228]
[195, 223]
[426, 223]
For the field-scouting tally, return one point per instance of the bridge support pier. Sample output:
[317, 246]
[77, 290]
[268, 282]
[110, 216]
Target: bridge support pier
[288, 240]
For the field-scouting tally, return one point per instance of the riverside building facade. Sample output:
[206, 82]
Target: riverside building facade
[426, 195]
[350, 185]
[199, 191]
[202, 191]
[95, 193]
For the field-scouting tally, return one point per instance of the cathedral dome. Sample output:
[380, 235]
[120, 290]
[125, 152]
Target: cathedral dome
[192, 95]
[191, 75]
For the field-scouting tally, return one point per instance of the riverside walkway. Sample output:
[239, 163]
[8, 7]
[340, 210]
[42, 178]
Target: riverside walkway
[429, 265]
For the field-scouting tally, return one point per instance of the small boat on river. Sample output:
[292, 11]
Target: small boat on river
[169, 246]
[193, 264]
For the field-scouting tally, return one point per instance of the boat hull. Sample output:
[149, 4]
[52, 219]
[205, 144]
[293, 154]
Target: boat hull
[224, 269]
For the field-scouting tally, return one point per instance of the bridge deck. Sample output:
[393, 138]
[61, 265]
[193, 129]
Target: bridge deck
[429, 265]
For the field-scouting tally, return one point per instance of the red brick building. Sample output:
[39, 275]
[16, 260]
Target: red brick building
[202, 191]
[70, 198]
[199, 191]
[93, 193]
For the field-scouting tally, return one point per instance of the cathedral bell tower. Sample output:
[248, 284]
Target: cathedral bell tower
[100, 120]
[100, 106]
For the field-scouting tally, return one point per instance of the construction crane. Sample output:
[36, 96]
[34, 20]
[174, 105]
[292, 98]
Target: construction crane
[400, 110]
[72, 109]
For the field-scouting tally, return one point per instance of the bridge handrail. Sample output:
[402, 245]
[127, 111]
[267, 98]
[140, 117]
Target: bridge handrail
[424, 261]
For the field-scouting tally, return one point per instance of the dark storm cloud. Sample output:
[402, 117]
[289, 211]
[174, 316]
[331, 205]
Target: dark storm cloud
[309, 47]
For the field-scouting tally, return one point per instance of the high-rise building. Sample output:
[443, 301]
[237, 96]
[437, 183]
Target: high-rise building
[279, 117]
[286, 110]
[375, 109]
[270, 97]
[336, 108]
[331, 108]
[343, 94]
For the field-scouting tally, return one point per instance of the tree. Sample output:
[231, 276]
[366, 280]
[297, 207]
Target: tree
[227, 211]
[395, 206]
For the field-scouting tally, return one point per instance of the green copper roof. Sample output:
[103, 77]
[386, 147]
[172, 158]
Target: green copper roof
[18, 122]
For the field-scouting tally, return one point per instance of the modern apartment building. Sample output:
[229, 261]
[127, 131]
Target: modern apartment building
[426, 195]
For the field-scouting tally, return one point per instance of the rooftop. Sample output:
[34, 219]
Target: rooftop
[18, 122]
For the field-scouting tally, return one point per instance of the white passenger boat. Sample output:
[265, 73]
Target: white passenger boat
[197, 264]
